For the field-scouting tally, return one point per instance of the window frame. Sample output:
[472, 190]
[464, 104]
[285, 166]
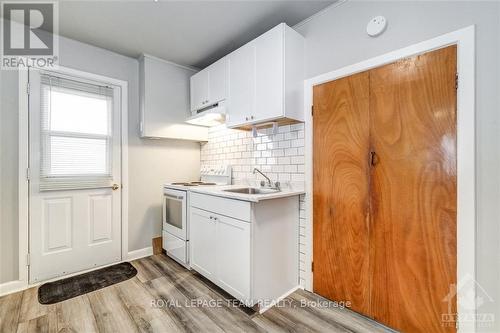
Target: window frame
[50, 181]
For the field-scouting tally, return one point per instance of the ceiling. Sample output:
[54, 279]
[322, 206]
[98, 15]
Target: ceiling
[194, 33]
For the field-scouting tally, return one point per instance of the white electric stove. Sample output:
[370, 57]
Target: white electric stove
[175, 226]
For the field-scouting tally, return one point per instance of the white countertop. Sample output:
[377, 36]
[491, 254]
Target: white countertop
[218, 190]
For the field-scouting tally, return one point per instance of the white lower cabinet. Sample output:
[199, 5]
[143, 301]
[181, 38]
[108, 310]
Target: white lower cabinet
[220, 248]
[248, 249]
[202, 239]
[233, 256]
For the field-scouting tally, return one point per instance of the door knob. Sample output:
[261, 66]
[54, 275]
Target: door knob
[114, 187]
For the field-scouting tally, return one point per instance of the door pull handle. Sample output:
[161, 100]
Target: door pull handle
[373, 158]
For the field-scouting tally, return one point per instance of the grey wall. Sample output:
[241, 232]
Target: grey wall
[337, 38]
[8, 176]
[151, 162]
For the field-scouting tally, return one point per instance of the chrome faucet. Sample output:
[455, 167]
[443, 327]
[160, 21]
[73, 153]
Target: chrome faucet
[269, 182]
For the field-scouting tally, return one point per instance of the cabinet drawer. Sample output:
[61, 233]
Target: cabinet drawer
[237, 209]
[175, 248]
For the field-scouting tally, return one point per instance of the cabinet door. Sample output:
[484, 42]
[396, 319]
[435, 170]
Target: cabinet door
[217, 81]
[202, 242]
[241, 100]
[269, 68]
[199, 90]
[233, 256]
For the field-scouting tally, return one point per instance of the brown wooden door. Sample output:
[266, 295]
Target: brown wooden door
[413, 192]
[385, 233]
[341, 203]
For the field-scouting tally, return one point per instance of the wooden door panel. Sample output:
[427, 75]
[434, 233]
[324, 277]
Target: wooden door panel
[413, 191]
[341, 147]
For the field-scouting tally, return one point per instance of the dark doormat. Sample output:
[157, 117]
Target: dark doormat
[58, 291]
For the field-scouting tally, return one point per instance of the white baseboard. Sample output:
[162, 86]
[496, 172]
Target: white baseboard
[18, 285]
[277, 300]
[141, 253]
[12, 287]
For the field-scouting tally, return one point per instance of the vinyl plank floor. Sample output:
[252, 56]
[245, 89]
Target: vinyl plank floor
[10, 307]
[75, 315]
[166, 297]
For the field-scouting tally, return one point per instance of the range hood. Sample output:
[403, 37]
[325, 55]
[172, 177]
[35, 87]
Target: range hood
[212, 115]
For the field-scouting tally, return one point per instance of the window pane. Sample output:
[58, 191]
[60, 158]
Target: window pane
[74, 111]
[174, 212]
[77, 156]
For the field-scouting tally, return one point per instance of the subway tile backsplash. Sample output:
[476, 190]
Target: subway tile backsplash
[280, 156]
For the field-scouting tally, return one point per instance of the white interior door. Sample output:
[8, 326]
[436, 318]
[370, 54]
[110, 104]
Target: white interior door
[75, 175]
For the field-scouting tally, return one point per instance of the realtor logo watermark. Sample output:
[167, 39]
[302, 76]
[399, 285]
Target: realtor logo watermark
[29, 35]
[474, 297]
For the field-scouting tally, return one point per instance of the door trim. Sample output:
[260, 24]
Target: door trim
[466, 173]
[23, 281]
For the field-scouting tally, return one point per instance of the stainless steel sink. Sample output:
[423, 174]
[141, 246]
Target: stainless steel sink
[252, 190]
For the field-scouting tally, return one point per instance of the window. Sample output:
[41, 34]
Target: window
[76, 134]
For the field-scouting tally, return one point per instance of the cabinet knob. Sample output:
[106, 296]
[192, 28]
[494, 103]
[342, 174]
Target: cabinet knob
[246, 118]
[251, 117]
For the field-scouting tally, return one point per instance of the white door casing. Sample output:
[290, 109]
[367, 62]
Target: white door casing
[78, 229]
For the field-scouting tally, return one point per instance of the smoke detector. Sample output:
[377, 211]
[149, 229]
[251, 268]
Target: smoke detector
[376, 26]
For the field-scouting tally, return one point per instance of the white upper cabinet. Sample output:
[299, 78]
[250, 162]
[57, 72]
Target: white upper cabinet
[269, 75]
[208, 86]
[241, 85]
[164, 97]
[266, 79]
[217, 83]
[199, 90]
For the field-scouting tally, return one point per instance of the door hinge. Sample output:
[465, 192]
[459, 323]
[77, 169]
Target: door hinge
[312, 266]
[28, 260]
[456, 81]
[28, 173]
[28, 88]
[312, 110]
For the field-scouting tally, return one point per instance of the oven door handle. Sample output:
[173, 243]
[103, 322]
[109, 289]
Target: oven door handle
[180, 197]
